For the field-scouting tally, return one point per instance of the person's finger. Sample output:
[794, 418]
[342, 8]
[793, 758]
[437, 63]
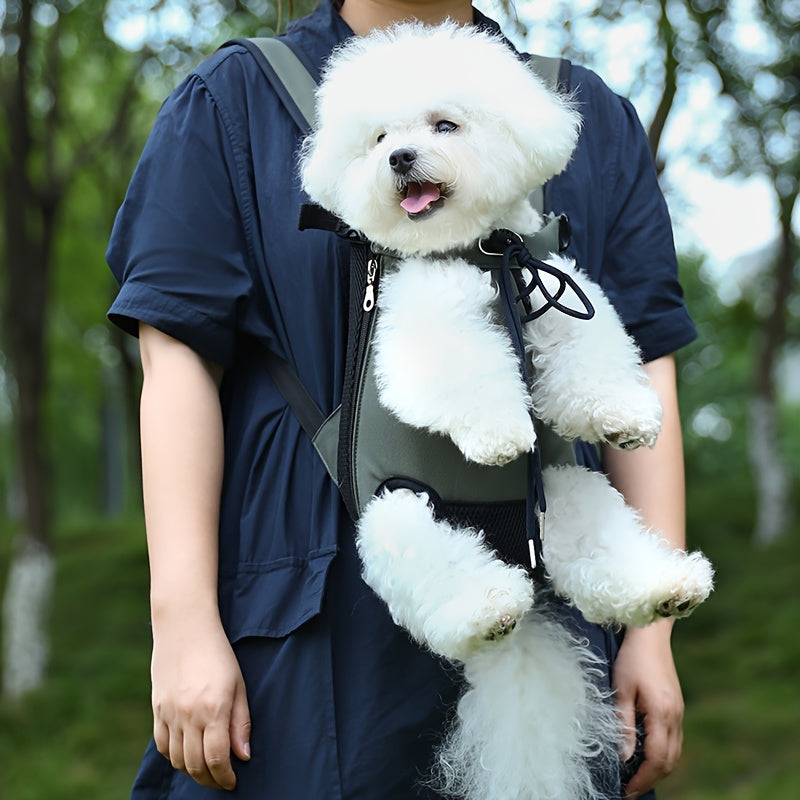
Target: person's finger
[194, 758]
[626, 713]
[654, 765]
[217, 754]
[240, 725]
[161, 737]
[175, 749]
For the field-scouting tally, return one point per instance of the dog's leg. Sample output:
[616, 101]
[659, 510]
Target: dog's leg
[530, 721]
[442, 362]
[588, 379]
[600, 556]
[443, 585]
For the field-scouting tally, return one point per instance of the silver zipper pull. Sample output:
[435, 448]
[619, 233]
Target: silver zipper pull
[369, 293]
[531, 547]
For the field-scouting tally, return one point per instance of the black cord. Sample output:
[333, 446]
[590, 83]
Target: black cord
[513, 291]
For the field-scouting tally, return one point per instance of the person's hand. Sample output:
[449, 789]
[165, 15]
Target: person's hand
[200, 709]
[645, 682]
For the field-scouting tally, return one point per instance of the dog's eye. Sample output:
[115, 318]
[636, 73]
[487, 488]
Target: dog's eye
[381, 137]
[445, 126]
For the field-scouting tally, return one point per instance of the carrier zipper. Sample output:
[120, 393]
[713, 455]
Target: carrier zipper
[365, 335]
[369, 292]
[355, 377]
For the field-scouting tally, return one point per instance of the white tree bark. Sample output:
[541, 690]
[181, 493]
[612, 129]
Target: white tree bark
[770, 474]
[25, 607]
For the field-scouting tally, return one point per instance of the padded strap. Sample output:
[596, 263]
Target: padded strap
[550, 69]
[555, 72]
[289, 78]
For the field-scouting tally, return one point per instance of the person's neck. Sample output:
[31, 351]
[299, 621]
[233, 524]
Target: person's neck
[366, 15]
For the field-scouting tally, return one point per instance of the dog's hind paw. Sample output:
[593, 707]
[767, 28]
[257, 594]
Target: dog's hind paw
[503, 626]
[690, 593]
[477, 615]
[678, 606]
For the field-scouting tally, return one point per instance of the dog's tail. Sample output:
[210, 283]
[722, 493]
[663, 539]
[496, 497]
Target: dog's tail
[532, 723]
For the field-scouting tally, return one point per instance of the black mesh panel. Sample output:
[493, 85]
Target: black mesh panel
[503, 525]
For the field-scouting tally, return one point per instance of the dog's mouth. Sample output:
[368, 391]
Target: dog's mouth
[422, 199]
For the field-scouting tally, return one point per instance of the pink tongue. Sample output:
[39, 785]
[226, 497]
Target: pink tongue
[419, 196]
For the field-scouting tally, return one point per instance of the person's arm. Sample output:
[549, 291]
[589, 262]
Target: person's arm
[644, 675]
[199, 703]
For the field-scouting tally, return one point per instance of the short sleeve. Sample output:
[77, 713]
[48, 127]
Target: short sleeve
[179, 245]
[640, 270]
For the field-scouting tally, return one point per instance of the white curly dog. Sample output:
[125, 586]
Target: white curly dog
[428, 139]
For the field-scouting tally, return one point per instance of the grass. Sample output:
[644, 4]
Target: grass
[739, 660]
[81, 736]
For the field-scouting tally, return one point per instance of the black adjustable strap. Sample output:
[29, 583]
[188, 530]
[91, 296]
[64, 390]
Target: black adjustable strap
[295, 393]
[315, 217]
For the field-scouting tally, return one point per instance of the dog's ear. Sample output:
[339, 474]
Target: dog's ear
[315, 173]
[547, 127]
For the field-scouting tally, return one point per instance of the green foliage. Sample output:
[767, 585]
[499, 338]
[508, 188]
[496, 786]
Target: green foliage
[739, 656]
[715, 373]
[81, 737]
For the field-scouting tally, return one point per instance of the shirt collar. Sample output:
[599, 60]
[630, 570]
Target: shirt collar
[323, 29]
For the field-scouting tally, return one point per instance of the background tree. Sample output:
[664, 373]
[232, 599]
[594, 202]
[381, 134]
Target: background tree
[749, 51]
[755, 51]
[54, 57]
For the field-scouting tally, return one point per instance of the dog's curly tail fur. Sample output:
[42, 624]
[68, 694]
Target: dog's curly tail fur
[531, 723]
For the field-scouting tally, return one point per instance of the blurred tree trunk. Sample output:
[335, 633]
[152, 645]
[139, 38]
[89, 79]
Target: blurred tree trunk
[46, 150]
[68, 94]
[770, 472]
[30, 214]
[667, 40]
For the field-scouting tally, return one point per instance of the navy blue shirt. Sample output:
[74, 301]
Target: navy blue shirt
[206, 248]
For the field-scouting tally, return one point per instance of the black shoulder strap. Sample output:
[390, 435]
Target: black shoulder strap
[294, 392]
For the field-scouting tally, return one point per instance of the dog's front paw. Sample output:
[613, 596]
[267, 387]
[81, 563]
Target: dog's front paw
[626, 419]
[495, 441]
[637, 433]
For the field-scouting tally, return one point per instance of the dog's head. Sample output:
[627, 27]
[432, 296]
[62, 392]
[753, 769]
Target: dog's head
[430, 137]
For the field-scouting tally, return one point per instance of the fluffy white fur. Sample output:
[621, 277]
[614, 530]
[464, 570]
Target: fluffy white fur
[599, 555]
[588, 380]
[529, 721]
[477, 141]
[434, 390]
[395, 85]
[442, 584]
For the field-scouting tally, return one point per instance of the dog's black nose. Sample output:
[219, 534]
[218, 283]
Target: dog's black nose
[402, 160]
